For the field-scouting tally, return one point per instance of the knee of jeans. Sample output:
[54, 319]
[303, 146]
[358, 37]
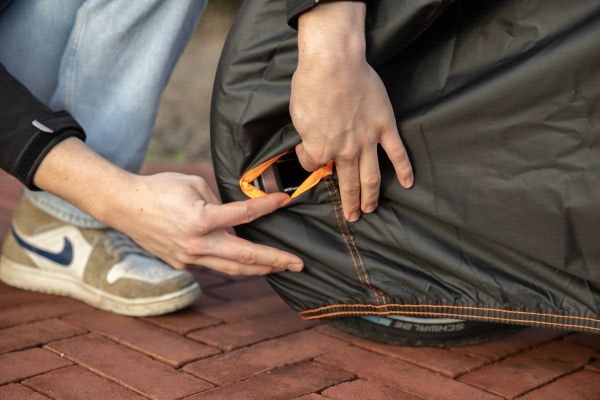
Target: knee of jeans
[187, 10]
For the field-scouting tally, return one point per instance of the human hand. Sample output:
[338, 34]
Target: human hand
[340, 107]
[178, 218]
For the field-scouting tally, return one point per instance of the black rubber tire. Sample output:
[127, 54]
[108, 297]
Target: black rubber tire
[443, 334]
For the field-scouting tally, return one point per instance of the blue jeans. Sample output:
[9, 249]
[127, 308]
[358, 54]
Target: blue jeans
[107, 62]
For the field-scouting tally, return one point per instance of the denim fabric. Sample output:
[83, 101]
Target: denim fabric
[106, 62]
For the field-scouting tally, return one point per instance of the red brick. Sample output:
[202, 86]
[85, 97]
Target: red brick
[526, 371]
[595, 366]
[10, 187]
[401, 375]
[312, 396]
[206, 300]
[30, 335]
[129, 368]
[156, 342]
[183, 321]
[16, 391]
[238, 334]
[75, 383]
[23, 364]
[39, 311]
[208, 278]
[366, 390]
[585, 340]
[437, 359]
[14, 297]
[500, 348]
[246, 309]
[242, 290]
[5, 289]
[263, 356]
[581, 385]
[281, 384]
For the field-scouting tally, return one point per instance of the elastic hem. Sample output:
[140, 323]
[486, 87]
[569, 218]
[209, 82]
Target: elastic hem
[479, 313]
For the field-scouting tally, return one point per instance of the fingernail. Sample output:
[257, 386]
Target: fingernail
[354, 216]
[370, 208]
[295, 267]
[408, 182]
[285, 200]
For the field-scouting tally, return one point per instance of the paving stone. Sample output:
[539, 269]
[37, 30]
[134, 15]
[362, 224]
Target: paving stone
[242, 290]
[30, 335]
[585, 340]
[76, 383]
[208, 278]
[156, 342]
[39, 311]
[5, 289]
[526, 371]
[582, 385]
[503, 347]
[441, 360]
[129, 368]
[206, 300]
[366, 390]
[595, 366]
[12, 297]
[182, 321]
[401, 375]
[246, 309]
[437, 359]
[312, 396]
[281, 384]
[15, 391]
[23, 364]
[263, 356]
[238, 334]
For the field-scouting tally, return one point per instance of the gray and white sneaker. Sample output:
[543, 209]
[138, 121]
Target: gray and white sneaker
[101, 267]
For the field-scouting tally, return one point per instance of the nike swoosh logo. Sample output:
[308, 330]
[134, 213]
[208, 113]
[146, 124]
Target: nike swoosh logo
[63, 257]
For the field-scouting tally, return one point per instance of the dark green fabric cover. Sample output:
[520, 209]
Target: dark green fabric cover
[498, 103]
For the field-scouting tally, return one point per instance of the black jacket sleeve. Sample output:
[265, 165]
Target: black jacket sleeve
[28, 129]
[296, 7]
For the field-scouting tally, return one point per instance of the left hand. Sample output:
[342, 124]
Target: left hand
[340, 107]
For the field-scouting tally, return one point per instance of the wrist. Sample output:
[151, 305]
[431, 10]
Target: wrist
[332, 34]
[117, 200]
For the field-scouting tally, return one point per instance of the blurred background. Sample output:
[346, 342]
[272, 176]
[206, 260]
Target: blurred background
[182, 127]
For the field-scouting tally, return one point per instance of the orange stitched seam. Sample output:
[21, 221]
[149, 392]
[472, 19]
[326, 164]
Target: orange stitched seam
[438, 314]
[335, 210]
[446, 306]
[353, 243]
[345, 224]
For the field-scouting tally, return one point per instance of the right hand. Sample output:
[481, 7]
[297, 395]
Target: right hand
[178, 218]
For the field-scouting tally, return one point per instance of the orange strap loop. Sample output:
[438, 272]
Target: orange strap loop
[246, 181]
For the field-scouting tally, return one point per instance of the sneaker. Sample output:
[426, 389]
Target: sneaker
[101, 267]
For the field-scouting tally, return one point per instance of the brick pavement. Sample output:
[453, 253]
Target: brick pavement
[240, 341]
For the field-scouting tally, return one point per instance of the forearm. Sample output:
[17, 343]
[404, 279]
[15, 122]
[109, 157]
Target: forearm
[75, 173]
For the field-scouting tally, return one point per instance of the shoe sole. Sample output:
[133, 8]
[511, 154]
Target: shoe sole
[38, 280]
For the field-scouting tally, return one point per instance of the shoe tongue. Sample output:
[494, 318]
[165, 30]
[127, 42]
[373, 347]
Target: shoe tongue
[123, 245]
[140, 268]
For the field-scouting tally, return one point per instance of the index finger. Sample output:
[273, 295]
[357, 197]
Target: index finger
[394, 148]
[222, 216]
